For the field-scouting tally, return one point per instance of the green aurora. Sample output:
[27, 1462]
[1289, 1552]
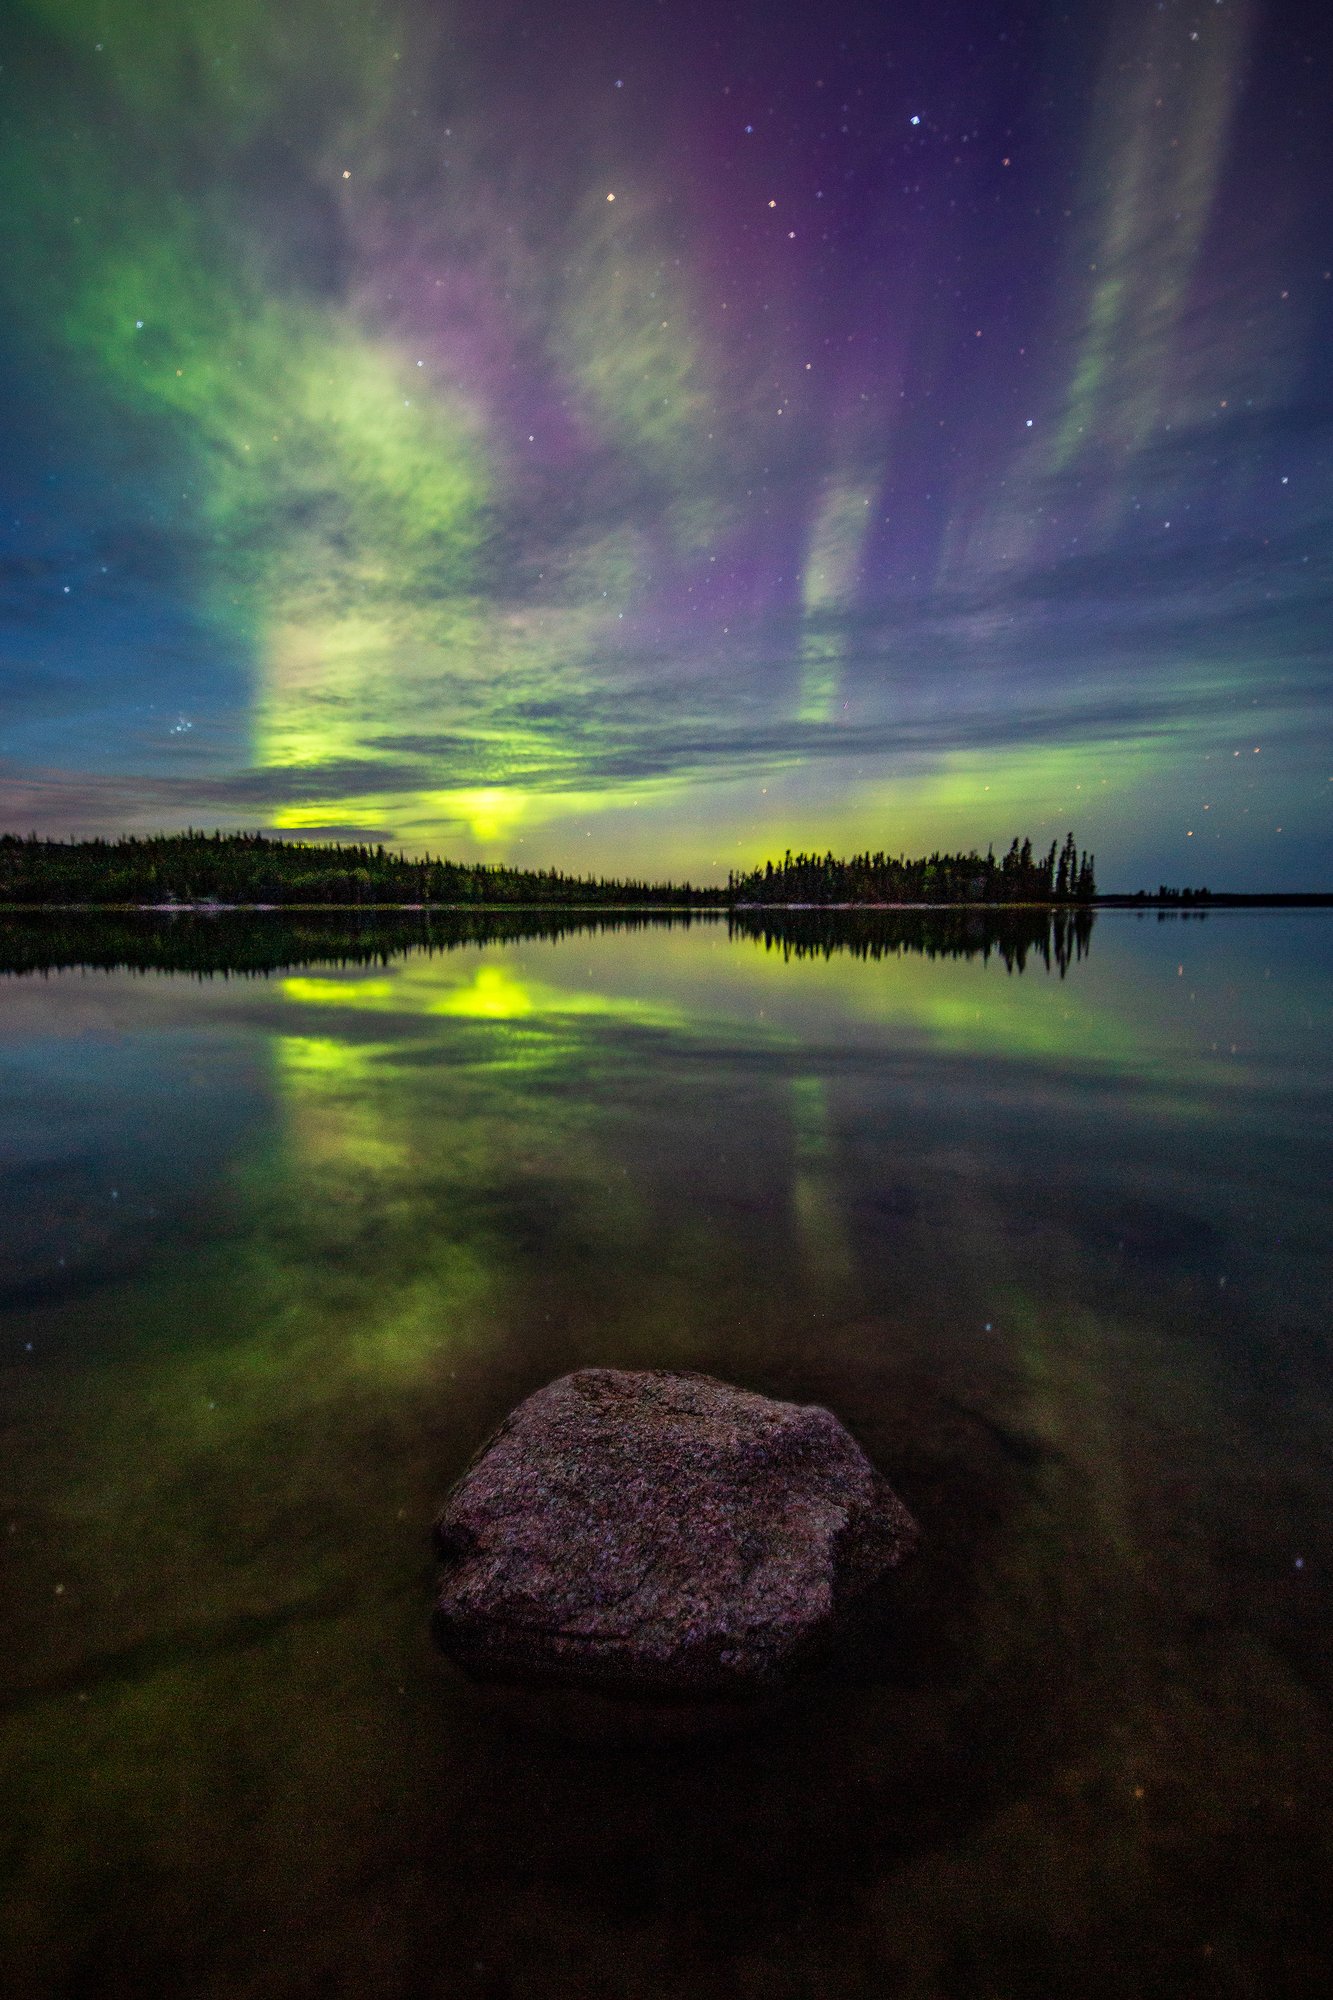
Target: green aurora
[538, 473]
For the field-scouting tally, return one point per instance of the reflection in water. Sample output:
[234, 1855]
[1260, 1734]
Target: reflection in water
[206, 942]
[238, 941]
[1055, 1250]
[1057, 936]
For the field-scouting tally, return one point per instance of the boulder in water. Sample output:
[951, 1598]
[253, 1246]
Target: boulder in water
[659, 1538]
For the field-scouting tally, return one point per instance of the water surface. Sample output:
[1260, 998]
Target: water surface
[1044, 1220]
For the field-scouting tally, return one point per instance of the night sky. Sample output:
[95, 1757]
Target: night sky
[648, 437]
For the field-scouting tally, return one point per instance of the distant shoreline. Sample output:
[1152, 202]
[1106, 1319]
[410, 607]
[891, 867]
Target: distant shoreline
[1280, 900]
[1321, 899]
[169, 874]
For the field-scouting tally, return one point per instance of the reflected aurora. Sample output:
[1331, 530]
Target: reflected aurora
[356, 1234]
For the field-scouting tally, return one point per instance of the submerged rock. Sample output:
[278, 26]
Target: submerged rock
[659, 1538]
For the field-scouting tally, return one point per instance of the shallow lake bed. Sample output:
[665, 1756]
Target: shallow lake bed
[277, 1252]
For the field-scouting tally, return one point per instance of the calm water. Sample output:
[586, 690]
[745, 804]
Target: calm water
[276, 1252]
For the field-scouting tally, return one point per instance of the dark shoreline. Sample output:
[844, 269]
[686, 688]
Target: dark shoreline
[1222, 900]
[211, 938]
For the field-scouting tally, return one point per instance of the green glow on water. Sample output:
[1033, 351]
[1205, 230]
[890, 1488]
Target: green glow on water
[996, 1249]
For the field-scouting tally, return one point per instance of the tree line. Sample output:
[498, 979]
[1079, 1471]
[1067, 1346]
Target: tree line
[252, 868]
[1060, 875]
[247, 868]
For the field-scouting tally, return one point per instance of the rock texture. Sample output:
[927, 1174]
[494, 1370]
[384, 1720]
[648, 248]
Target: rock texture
[659, 1536]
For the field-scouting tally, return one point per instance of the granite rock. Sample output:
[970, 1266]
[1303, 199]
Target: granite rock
[660, 1537]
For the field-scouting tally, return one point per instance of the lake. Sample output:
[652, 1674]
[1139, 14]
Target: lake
[1043, 1217]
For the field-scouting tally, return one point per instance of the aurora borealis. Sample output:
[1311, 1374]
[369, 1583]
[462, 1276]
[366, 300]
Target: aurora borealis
[648, 437]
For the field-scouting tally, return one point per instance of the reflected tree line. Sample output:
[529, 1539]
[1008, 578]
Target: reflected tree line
[1059, 938]
[247, 943]
[241, 943]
